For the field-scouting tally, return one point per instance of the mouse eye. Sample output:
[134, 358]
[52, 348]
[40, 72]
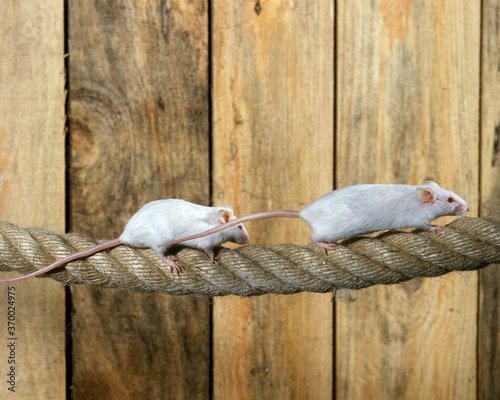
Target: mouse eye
[451, 199]
[240, 227]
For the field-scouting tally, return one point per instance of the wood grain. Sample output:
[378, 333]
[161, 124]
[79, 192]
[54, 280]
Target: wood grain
[32, 103]
[273, 149]
[489, 289]
[139, 132]
[407, 107]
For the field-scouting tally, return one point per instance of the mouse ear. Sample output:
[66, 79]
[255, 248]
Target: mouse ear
[430, 182]
[223, 216]
[426, 194]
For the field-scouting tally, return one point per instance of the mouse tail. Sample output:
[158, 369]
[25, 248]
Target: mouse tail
[237, 221]
[76, 256]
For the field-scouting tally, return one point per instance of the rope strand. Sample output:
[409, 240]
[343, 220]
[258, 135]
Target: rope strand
[392, 257]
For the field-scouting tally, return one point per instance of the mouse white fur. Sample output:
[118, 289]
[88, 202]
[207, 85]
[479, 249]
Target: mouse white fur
[361, 209]
[163, 221]
[178, 218]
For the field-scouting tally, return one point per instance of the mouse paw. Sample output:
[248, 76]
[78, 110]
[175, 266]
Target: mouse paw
[211, 254]
[434, 228]
[324, 245]
[173, 264]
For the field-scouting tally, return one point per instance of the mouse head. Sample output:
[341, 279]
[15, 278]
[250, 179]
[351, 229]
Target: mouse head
[236, 234]
[445, 202]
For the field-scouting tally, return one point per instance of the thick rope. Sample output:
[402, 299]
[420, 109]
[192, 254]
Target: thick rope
[392, 257]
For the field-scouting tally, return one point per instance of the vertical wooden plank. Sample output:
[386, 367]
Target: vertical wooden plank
[32, 103]
[407, 107]
[489, 289]
[273, 149]
[139, 132]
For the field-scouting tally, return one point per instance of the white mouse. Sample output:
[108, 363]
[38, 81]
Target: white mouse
[360, 209]
[164, 221]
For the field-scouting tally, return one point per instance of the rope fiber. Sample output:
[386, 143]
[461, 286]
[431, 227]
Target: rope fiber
[392, 257]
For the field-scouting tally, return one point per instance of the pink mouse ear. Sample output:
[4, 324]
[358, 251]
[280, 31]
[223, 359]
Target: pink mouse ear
[426, 194]
[224, 216]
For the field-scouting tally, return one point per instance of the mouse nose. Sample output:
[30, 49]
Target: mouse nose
[463, 209]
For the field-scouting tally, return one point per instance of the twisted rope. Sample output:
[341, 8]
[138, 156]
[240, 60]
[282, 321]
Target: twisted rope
[392, 257]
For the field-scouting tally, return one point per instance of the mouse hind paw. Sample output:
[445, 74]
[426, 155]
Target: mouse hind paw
[324, 245]
[173, 264]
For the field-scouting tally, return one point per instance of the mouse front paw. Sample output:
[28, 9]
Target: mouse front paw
[434, 228]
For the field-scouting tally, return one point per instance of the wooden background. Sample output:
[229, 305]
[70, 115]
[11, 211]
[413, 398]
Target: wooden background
[262, 104]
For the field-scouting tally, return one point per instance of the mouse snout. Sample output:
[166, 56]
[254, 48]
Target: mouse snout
[244, 239]
[241, 235]
[463, 209]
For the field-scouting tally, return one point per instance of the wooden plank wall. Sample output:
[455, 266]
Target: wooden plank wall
[263, 105]
[407, 107]
[489, 279]
[265, 160]
[137, 133]
[32, 193]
